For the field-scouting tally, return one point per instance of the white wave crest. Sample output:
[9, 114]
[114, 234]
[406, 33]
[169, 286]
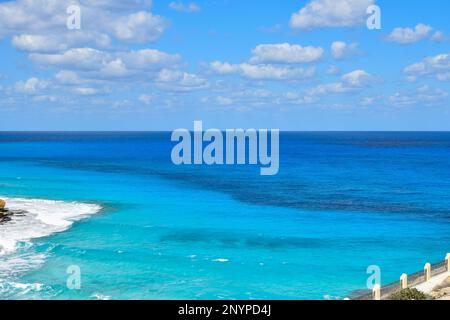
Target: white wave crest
[40, 218]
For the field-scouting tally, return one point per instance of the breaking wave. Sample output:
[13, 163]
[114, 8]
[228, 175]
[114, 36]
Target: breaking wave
[32, 219]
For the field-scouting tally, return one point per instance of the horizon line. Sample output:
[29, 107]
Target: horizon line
[168, 131]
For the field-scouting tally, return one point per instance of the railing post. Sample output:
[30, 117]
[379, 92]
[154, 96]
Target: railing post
[427, 271]
[376, 292]
[404, 281]
[447, 258]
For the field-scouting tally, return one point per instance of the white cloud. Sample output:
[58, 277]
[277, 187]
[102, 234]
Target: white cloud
[330, 13]
[224, 101]
[437, 67]
[351, 82]
[422, 96]
[167, 75]
[85, 91]
[401, 99]
[341, 50]
[149, 59]
[53, 43]
[409, 35]
[333, 70]
[80, 58]
[262, 71]
[285, 53]
[181, 7]
[358, 78]
[272, 62]
[224, 67]
[244, 98]
[25, 15]
[139, 27]
[368, 101]
[323, 89]
[46, 98]
[97, 64]
[175, 80]
[37, 43]
[40, 25]
[443, 76]
[438, 36]
[98, 58]
[271, 72]
[252, 93]
[114, 68]
[68, 77]
[146, 99]
[124, 5]
[31, 86]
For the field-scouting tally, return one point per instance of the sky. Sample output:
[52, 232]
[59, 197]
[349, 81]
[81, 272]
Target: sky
[303, 65]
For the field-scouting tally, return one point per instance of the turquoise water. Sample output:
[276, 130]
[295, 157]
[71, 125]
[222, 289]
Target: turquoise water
[341, 202]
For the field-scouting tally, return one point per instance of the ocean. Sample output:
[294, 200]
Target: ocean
[139, 227]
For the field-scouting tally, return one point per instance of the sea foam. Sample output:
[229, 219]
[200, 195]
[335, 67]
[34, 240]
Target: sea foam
[33, 219]
[40, 218]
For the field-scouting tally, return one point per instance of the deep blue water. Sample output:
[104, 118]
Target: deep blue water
[341, 202]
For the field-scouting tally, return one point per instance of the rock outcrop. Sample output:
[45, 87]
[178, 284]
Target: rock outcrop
[6, 215]
[3, 212]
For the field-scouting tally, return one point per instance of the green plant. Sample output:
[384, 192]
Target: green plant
[408, 294]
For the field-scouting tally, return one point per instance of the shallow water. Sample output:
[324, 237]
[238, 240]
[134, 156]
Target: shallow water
[341, 202]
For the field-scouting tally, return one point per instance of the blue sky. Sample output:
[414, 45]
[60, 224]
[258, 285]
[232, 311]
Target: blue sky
[160, 65]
